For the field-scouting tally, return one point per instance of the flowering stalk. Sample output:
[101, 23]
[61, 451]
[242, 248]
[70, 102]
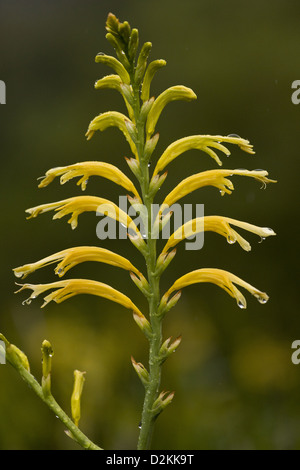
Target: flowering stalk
[132, 79]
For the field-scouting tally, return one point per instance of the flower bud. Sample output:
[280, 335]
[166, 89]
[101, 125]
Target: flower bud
[76, 395]
[16, 357]
[47, 353]
[142, 62]
[133, 44]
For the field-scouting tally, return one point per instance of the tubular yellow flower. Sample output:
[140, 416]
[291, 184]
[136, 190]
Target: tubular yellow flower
[218, 224]
[215, 178]
[77, 205]
[115, 82]
[109, 119]
[72, 256]
[200, 142]
[221, 278]
[150, 72]
[70, 287]
[173, 93]
[115, 64]
[87, 169]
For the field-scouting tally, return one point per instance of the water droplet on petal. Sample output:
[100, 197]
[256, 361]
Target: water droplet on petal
[60, 271]
[231, 240]
[261, 239]
[241, 304]
[19, 274]
[261, 299]
[234, 135]
[140, 424]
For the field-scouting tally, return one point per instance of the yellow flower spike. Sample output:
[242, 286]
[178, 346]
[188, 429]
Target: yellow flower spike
[76, 396]
[115, 82]
[115, 64]
[218, 224]
[87, 169]
[177, 92]
[221, 278]
[150, 72]
[77, 205]
[70, 287]
[200, 142]
[215, 178]
[108, 119]
[72, 256]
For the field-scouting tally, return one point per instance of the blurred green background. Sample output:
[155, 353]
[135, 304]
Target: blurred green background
[236, 387]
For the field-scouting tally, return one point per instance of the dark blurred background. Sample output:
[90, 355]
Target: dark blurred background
[236, 387]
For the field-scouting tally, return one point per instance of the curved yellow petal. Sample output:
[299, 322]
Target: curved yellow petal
[221, 278]
[200, 142]
[87, 169]
[150, 72]
[115, 82]
[72, 256]
[218, 224]
[70, 287]
[115, 64]
[109, 119]
[178, 92]
[77, 205]
[215, 178]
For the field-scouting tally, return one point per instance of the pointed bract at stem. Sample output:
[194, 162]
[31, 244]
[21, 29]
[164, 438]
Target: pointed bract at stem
[141, 371]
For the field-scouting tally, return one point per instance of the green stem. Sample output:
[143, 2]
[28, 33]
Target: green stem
[74, 431]
[152, 389]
